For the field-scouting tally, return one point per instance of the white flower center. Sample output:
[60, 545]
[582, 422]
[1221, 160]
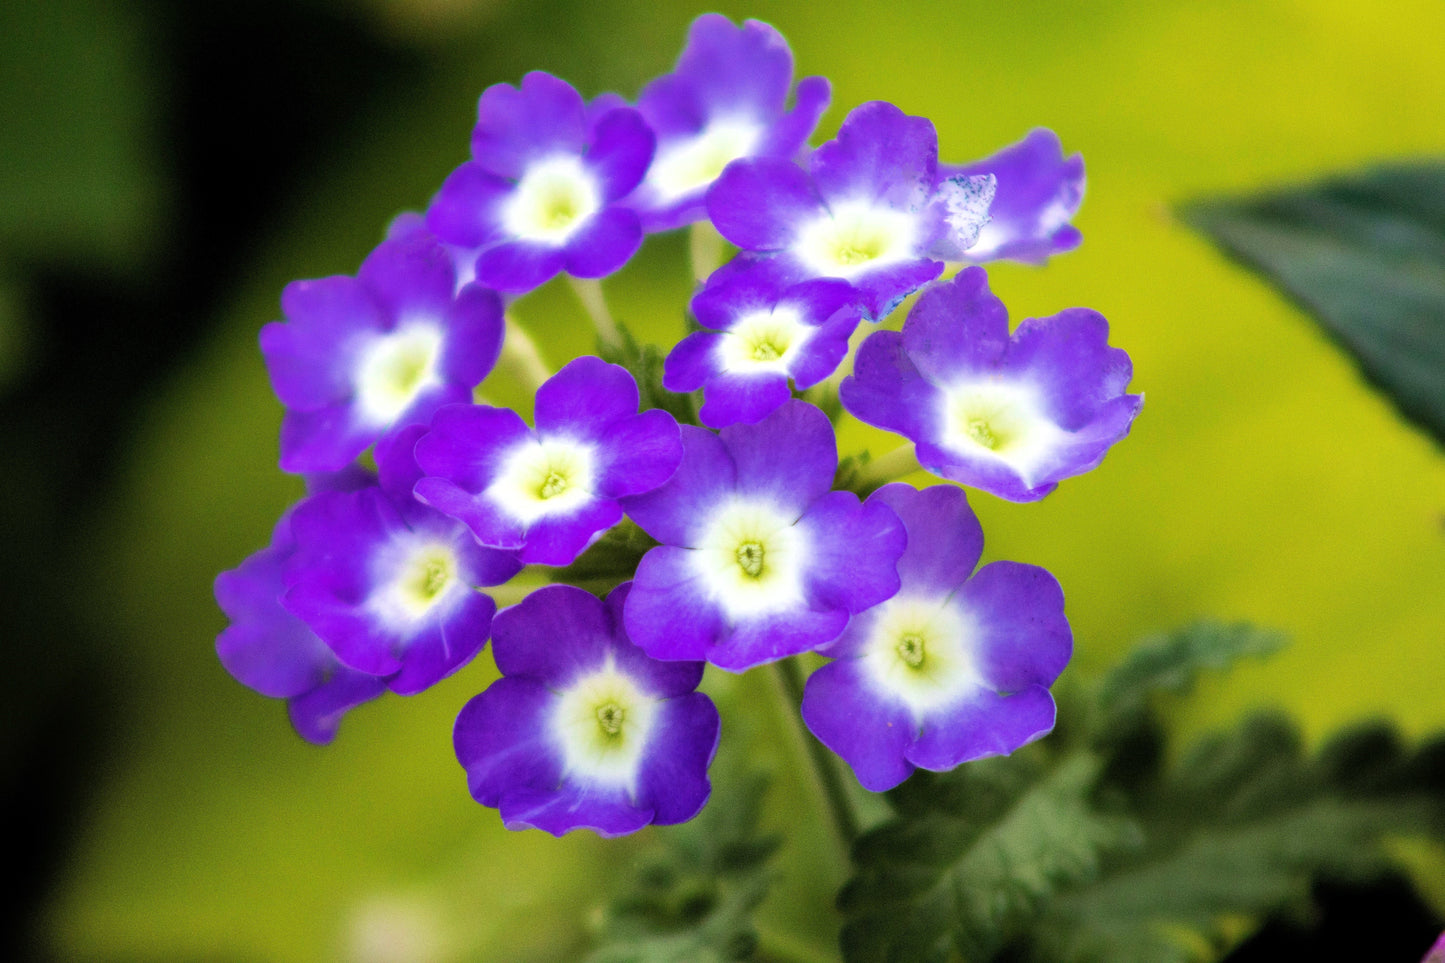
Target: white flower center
[551, 476]
[751, 557]
[763, 341]
[919, 651]
[602, 722]
[692, 164]
[394, 368]
[552, 200]
[415, 577]
[1003, 421]
[856, 238]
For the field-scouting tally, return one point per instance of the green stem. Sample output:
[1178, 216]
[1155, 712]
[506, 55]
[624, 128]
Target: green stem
[594, 302]
[892, 466]
[704, 248]
[521, 357]
[829, 782]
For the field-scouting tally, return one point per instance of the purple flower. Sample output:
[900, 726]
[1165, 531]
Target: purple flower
[760, 337]
[1009, 415]
[583, 730]
[359, 357]
[871, 209]
[541, 192]
[952, 668]
[390, 585]
[759, 559]
[1039, 191]
[726, 99]
[268, 649]
[547, 492]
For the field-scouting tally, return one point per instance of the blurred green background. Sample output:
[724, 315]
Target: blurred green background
[165, 168]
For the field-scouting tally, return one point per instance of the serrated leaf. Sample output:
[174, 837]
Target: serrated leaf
[609, 561]
[691, 899]
[644, 363]
[1365, 255]
[1238, 830]
[973, 855]
[1171, 663]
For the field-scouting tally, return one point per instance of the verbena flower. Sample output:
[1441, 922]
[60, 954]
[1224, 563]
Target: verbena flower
[542, 192]
[726, 99]
[583, 730]
[1009, 415]
[759, 336]
[1039, 191]
[268, 649]
[952, 668]
[547, 492]
[759, 558]
[871, 209]
[390, 585]
[359, 357]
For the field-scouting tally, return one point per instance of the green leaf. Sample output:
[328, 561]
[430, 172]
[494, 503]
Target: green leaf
[972, 856]
[1238, 830]
[692, 897]
[609, 561]
[1366, 256]
[1171, 663]
[644, 363]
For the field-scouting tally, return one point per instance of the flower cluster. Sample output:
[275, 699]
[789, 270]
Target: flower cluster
[761, 549]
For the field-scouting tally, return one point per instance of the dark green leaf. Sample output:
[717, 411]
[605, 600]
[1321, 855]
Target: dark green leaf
[609, 561]
[1171, 663]
[644, 363]
[975, 854]
[692, 897]
[1238, 830]
[1366, 256]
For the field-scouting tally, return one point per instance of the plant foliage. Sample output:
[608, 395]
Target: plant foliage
[1365, 255]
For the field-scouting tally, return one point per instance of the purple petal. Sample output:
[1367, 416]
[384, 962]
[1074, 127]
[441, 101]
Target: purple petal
[673, 780]
[1039, 190]
[760, 204]
[880, 154]
[308, 357]
[445, 647]
[559, 539]
[945, 539]
[985, 725]
[518, 126]
[1068, 354]
[519, 266]
[642, 452]
[502, 739]
[689, 364]
[317, 714]
[466, 446]
[554, 634]
[991, 475]
[792, 482]
[853, 551]
[672, 513]
[467, 211]
[886, 391]
[622, 146]
[585, 399]
[957, 328]
[605, 243]
[827, 348]
[322, 441]
[794, 128]
[662, 679]
[474, 336]
[1019, 612]
[669, 613]
[265, 647]
[410, 276]
[883, 289]
[775, 636]
[870, 733]
[743, 398]
[608, 812]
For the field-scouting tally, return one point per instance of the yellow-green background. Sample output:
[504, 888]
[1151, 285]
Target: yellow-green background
[1262, 481]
